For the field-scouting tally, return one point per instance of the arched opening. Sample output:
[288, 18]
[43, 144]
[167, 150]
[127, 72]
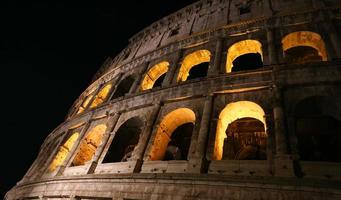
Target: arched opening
[303, 46]
[241, 132]
[89, 145]
[155, 76]
[197, 59]
[85, 104]
[318, 129]
[123, 87]
[124, 142]
[248, 54]
[63, 152]
[101, 96]
[173, 135]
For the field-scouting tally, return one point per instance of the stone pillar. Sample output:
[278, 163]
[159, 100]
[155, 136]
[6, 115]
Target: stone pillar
[111, 123]
[283, 160]
[271, 47]
[334, 39]
[174, 66]
[138, 79]
[214, 70]
[198, 161]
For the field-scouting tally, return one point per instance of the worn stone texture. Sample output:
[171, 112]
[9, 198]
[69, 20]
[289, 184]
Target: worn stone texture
[277, 87]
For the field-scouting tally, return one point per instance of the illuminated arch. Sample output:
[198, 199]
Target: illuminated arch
[85, 104]
[232, 112]
[89, 145]
[101, 96]
[169, 123]
[153, 74]
[190, 61]
[305, 38]
[63, 152]
[241, 48]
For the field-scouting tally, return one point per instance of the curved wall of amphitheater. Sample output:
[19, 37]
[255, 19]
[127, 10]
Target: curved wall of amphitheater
[177, 115]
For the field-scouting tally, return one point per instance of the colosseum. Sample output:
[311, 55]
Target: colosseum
[223, 99]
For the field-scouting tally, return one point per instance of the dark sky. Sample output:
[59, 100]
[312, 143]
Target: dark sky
[48, 54]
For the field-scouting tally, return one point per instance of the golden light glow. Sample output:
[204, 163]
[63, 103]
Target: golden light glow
[241, 48]
[63, 152]
[153, 74]
[101, 96]
[230, 113]
[169, 123]
[305, 38]
[191, 60]
[84, 104]
[89, 145]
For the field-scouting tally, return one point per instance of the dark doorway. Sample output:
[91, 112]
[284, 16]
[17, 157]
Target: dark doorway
[158, 82]
[249, 61]
[198, 71]
[124, 142]
[302, 54]
[178, 146]
[123, 87]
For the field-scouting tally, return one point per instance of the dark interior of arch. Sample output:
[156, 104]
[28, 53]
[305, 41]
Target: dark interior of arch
[123, 87]
[302, 54]
[159, 81]
[318, 130]
[247, 61]
[178, 146]
[246, 140]
[198, 71]
[124, 142]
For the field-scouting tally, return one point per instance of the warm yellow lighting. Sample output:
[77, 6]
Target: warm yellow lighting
[164, 132]
[84, 104]
[63, 152]
[190, 61]
[153, 74]
[241, 48]
[89, 145]
[305, 38]
[230, 113]
[101, 96]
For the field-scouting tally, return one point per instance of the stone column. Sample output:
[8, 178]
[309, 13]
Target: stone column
[214, 70]
[138, 79]
[174, 66]
[197, 161]
[271, 47]
[111, 122]
[334, 39]
[283, 160]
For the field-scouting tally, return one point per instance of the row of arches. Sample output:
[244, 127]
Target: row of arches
[298, 47]
[241, 134]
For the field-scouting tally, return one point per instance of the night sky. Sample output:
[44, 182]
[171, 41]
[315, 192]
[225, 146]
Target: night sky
[48, 54]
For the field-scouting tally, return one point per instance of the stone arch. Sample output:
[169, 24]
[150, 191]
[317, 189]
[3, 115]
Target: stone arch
[242, 48]
[123, 87]
[192, 60]
[154, 74]
[301, 39]
[318, 129]
[63, 152]
[232, 112]
[89, 145]
[101, 96]
[124, 141]
[85, 103]
[166, 128]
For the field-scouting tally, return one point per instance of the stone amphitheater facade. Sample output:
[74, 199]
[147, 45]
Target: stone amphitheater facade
[150, 127]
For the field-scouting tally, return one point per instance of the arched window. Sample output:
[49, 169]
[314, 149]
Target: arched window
[244, 55]
[173, 136]
[124, 142]
[155, 76]
[63, 152]
[318, 129]
[123, 87]
[101, 96]
[85, 104]
[195, 65]
[89, 145]
[304, 46]
[240, 132]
